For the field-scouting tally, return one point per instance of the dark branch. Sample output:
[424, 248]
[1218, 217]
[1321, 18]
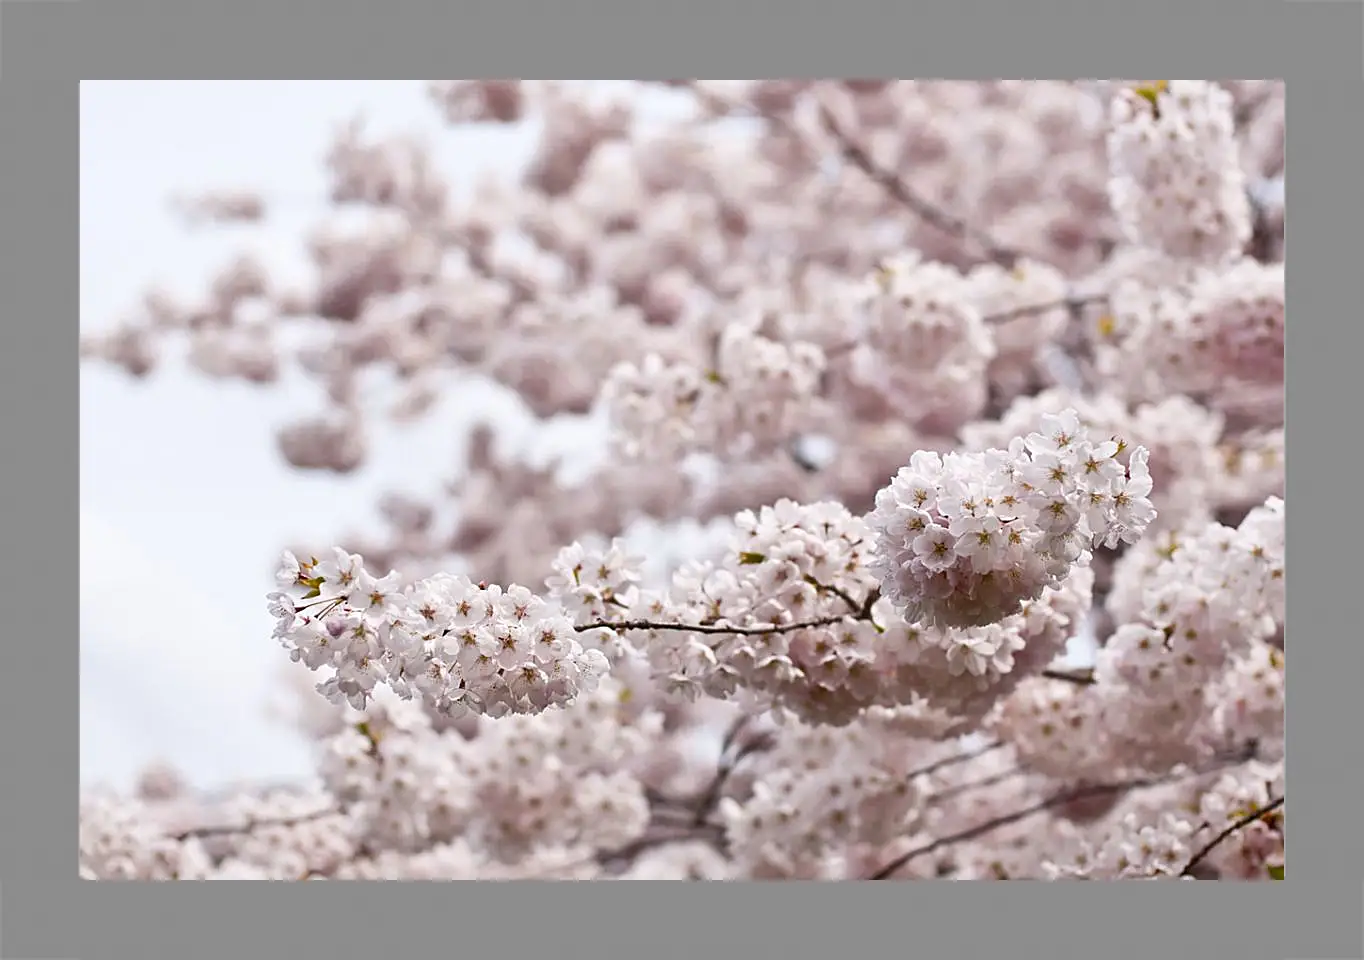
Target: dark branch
[903, 194]
[960, 788]
[660, 835]
[730, 759]
[1241, 824]
[1059, 799]
[714, 628]
[955, 759]
[1082, 677]
[989, 826]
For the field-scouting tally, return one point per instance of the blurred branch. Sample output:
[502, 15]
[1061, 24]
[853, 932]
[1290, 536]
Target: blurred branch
[1059, 799]
[730, 758]
[246, 826]
[1247, 820]
[1072, 304]
[906, 196]
[1081, 676]
[894, 185]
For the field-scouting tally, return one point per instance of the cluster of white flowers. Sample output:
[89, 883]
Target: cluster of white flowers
[1140, 846]
[436, 803]
[1180, 435]
[562, 779]
[1250, 699]
[1026, 310]
[818, 793]
[964, 539]
[1188, 670]
[787, 614]
[118, 842]
[1236, 319]
[1250, 468]
[792, 616]
[1176, 179]
[461, 646]
[748, 403]
[1237, 795]
[922, 342]
[1217, 334]
[1132, 851]
[290, 835]
[1216, 591]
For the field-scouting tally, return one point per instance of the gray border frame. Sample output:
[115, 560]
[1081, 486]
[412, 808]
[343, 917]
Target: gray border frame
[47, 47]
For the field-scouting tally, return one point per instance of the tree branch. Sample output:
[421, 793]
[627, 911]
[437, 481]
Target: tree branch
[714, 628]
[1241, 824]
[891, 183]
[1073, 304]
[729, 762]
[225, 830]
[903, 194]
[955, 759]
[989, 826]
[1083, 676]
[1061, 798]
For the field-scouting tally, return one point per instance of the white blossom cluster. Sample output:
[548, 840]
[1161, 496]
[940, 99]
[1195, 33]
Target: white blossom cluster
[1026, 310]
[747, 404]
[1235, 796]
[923, 344]
[1140, 846]
[458, 645]
[1219, 334]
[436, 803]
[964, 539]
[1180, 435]
[1188, 669]
[1177, 185]
[552, 780]
[118, 842]
[1134, 851]
[822, 790]
[793, 618]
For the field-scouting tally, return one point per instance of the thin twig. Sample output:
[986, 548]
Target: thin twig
[839, 592]
[223, 830]
[1058, 799]
[989, 826]
[860, 611]
[905, 195]
[955, 759]
[1241, 824]
[1074, 303]
[709, 800]
[890, 182]
[948, 792]
[713, 628]
[706, 833]
[1251, 107]
[1083, 676]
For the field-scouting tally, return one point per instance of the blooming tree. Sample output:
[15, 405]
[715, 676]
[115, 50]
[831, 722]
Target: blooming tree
[953, 383]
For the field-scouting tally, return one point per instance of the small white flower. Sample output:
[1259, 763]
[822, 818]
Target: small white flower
[289, 572]
[936, 548]
[339, 575]
[1058, 435]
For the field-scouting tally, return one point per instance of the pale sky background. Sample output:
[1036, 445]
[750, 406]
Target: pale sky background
[184, 499]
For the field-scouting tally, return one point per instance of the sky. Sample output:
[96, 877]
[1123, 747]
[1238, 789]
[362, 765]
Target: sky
[185, 501]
